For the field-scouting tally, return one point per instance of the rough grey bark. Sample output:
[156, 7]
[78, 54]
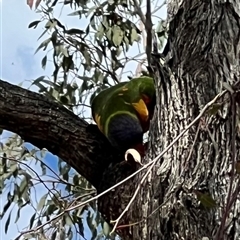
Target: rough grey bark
[202, 54]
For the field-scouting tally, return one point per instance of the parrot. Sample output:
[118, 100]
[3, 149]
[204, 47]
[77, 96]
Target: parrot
[123, 112]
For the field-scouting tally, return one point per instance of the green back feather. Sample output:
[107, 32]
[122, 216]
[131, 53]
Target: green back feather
[119, 98]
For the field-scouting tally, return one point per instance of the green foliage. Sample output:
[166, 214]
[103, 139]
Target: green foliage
[92, 58]
[30, 186]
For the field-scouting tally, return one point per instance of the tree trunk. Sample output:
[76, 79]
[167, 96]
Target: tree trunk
[203, 56]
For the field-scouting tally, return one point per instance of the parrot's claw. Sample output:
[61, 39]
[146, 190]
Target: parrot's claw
[133, 155]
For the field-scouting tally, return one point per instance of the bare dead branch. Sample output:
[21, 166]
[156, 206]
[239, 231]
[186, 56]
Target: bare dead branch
[148, 27]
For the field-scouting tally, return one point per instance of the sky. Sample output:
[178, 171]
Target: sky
[18, 43]
[19, 65]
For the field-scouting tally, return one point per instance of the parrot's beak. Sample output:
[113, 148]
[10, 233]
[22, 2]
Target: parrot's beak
[140, 148]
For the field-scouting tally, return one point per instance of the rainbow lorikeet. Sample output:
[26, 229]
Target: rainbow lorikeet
[123, 112]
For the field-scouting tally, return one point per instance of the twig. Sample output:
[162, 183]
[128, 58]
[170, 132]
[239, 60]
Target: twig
[139, 11]
[37, 175]
[151, 214]
[159, 7]
[153, 162]
[148, 26]
[194, 142]
[147, 22]
[230, 198]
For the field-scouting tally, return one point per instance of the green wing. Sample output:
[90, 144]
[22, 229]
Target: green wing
[99, 102]
[123, 112]
[142, 96]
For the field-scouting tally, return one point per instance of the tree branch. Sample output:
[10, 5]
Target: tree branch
[46, 124]
[148, 26]
[147, 22]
